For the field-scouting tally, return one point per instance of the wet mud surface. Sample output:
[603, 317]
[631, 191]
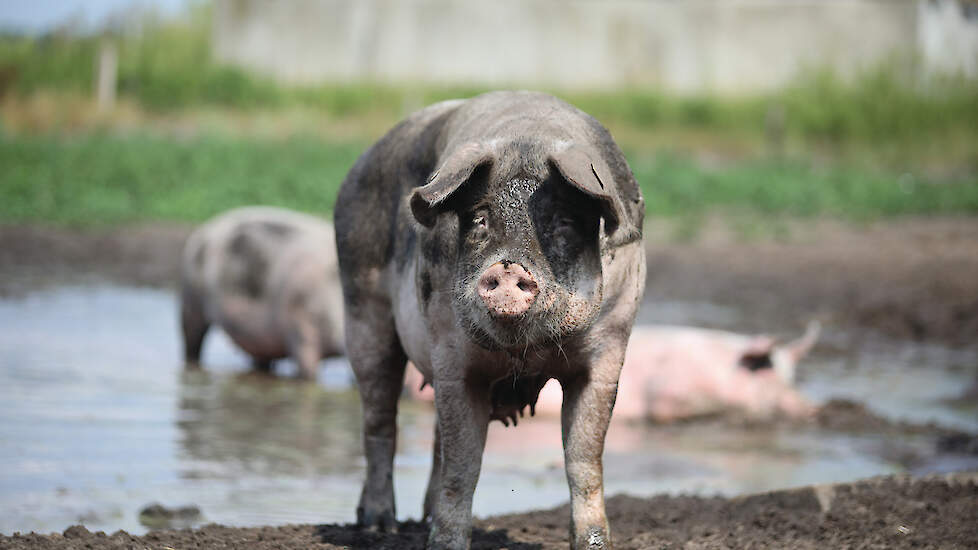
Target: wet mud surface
[908, 281]
[889, 512]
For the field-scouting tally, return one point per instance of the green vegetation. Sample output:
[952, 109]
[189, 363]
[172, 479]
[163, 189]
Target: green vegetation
[872, 136]
[679, 187]
[105, 179]
[168, 66]
[165, 66]
[100, 179]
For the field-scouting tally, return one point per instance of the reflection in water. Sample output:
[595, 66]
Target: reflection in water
[98, 420]
[256, 424]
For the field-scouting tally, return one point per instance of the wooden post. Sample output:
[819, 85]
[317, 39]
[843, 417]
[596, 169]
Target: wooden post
[106, 73]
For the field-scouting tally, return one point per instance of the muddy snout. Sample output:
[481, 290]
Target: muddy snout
[507, 289]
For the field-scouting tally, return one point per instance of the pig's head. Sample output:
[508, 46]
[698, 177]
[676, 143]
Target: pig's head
[525, 221]
[764, 355]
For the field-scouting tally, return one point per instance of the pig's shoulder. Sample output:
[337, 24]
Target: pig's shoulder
[370, 211]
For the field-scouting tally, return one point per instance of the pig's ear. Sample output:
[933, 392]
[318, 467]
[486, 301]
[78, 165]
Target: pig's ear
[444, 181]
[593, 179]
[799, 348]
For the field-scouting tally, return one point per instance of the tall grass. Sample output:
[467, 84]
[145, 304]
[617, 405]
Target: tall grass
[887, 102]
[165, 65]
[168, 65]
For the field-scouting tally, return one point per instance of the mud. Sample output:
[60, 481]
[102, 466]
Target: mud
[911, 279]
[157, 516]
[38, 256]
[843, 415]
[888, 512]
[908, 279]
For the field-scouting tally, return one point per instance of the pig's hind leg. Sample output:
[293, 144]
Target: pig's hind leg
[194, 326]
[304, 347]
[378, 361]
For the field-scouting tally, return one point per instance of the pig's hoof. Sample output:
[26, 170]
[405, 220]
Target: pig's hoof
[443, 540]
[596, 538]
[304, 376]
[376, 521]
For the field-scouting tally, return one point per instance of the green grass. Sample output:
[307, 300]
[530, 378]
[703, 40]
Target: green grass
[677, 186]
[106, 179]
[99, 179]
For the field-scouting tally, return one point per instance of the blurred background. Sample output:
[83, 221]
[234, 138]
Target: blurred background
[802, 159]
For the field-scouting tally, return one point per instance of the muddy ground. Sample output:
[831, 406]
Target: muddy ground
[890, 512]
[909, 279]
[913, 278]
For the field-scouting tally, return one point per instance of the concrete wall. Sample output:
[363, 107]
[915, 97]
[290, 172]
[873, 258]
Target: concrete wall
[947, 32]
[684, 46]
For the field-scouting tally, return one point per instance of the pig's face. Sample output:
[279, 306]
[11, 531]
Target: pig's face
[529, 265]
[528, 259]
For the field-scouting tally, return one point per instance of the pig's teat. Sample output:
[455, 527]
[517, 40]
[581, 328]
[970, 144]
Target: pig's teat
[508, 290]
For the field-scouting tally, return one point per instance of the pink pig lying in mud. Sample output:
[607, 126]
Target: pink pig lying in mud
[674, 373]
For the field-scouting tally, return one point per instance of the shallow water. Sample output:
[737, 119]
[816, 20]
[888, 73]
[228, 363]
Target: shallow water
[98, 419]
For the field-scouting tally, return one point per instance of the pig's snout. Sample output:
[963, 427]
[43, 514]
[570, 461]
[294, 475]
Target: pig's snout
[507, 289]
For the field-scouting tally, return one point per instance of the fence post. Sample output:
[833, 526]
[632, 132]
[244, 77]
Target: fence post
[106, 73]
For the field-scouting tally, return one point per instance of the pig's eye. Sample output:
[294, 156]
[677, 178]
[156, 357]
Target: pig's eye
[480, 226]
[564, 222]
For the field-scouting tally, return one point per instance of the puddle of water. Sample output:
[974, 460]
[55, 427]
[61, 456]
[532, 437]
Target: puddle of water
[97, 420]
[902, 381]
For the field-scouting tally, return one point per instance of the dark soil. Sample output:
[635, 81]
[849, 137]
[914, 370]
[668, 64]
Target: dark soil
[913, 279]
[33, 256]
[843, 415]
[889, 512]
[908, 279]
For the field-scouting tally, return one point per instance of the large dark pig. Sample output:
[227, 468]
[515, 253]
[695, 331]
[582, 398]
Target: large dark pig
[496, 243]
[268, 277]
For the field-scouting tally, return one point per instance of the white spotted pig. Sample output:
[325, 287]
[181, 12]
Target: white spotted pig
[268, 277]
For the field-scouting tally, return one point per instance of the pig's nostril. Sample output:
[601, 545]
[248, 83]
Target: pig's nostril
[507, 292]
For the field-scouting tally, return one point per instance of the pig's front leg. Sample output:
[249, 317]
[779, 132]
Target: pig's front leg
[378, 362]
[462, 409]
[588, 401]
